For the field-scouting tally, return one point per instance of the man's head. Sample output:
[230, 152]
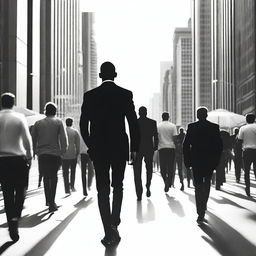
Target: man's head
[142, 111]
[50, 109]
[250, 118]
[7, 100]
[69, 122]
[107, 71]
[165, 116]
[181, 130]
[202, 113]
[236, 130]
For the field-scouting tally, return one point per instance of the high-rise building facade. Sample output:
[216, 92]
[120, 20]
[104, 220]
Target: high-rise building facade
[201, 53]
[245, 55]
[60, 51]
[223, 52]
[164, 84]
[89, 51]
[182, 82]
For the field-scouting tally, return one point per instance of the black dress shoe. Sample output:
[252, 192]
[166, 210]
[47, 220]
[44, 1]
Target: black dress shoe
[108, 241]
[115, 234]
[182, 187]
[247, 191]
[139, 198]
[166, 187]
[13, 230]
[53, 208]
[148, 194]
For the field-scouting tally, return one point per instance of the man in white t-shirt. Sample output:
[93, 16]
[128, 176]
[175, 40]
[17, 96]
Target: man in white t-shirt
[247, 136]
[166, 147]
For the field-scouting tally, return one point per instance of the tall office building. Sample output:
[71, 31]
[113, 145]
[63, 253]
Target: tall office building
[223, 52]
[164, 83]
[201, 53]
[245, 55]
[89, 51]
[182, 97]
[154, 109]
[60, 51]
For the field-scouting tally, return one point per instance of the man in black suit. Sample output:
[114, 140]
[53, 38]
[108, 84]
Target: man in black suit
[148, 144]
[104, 110]
[202, 149]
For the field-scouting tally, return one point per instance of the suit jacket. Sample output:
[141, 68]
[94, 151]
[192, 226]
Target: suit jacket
[148, 135]
[102, 122]
[202, 145]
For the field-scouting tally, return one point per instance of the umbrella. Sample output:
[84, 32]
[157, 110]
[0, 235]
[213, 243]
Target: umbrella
[31, 116]
[226, 119]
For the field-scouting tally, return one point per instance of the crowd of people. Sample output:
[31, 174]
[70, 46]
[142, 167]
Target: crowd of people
[102, 143]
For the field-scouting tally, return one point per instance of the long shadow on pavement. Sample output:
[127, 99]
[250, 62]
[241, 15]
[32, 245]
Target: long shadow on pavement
[149, 215]
[225, 239]
[175, 206]
[5, 246]
[43, 246]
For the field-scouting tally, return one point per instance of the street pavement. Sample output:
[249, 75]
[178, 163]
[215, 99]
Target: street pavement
[164, 224]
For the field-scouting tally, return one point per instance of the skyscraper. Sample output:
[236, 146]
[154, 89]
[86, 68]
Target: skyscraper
[164, 83]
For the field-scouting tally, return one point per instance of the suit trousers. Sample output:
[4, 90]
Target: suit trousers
[14, 181]
[49, 166]
[202, 183]
[167, 157]
[69, 176]
[238, 165]
[249, 157]
[148, 159]
[87, 172]
[102, 173]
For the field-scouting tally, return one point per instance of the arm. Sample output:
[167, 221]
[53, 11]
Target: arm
[187, 148]
[34, 139]
[84, 122]
[77, 142]
[63, 139]
[155, 136]
[133, 125]
[26, 139]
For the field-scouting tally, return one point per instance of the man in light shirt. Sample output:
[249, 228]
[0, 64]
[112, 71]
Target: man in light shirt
[247, 137]
[15, 161]
[69, 159]
[166, 148]
[50, 143]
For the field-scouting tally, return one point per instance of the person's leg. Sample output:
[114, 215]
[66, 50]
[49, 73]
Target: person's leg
[148, 159]
[179, 160]
[170, 164]
[103, 187]
[65, 171]
[207, 187]
[73, 163]
[162, 162]
[247, 166]
[90, 172]
[118, 168]
[137, 167]
[84, 161]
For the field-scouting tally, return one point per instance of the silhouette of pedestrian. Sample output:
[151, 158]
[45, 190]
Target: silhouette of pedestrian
[166, 148]
[148, 144]
[50, 143]
[202, 148]
[247, 137]
[104, 109]
[15, 161]
[69, 158]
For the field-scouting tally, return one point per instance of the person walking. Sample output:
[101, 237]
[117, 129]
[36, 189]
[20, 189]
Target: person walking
[104, 109]
[202, 149]
[166, 148]
[87, 169]
[49, 143]
[69, 158]
[148, 144]
[247, 138]
[15, 161]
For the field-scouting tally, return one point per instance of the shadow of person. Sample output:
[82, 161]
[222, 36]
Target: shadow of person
[149, 215]
[175, 206]
[239, 195]
[5, 246]
[225, 200]
[190, 197]
[225, 239]
[46, 242]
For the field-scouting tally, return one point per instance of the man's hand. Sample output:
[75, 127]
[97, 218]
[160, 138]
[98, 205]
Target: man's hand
[133, 158]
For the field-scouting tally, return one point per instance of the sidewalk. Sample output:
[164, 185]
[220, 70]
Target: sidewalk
[164, 224]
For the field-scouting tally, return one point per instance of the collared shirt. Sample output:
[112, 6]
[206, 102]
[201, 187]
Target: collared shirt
[105, 81]
[73, 144]
[49, 136]
[15, 138]
[166, 132]
[247, 134]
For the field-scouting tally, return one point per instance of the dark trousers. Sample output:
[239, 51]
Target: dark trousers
[238, 166]
[202, 183]
[167, 157]
[181, 166]
[249, 157]
[102, 167]
[69, 176]
[14, 181]
[49, 166]
[87, 172]
[148, 159]
[220, 170]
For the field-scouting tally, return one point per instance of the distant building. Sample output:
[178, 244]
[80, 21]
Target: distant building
[154, 110]
[90, 73]
[182, 97]
[164, 83]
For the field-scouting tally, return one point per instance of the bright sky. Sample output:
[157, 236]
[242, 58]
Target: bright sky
[135, 35]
